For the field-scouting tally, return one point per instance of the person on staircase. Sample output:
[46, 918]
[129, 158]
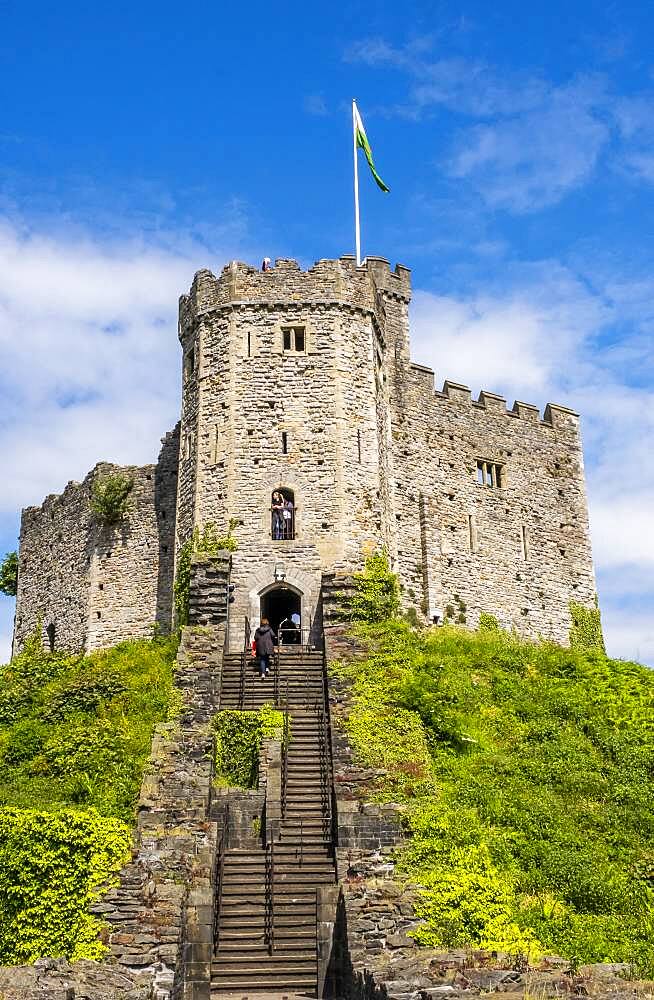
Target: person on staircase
[264, 641]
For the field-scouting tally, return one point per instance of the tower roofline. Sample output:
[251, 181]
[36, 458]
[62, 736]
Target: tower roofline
[328, 280]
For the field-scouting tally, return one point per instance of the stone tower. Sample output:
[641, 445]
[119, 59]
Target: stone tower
[286, 387]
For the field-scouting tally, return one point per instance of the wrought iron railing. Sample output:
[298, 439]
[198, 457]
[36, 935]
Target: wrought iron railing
[282, 524]
[219, 873]
[269, 925]
[246, 655]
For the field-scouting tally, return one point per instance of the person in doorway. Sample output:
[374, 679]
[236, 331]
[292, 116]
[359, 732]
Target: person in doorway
[264, 640]
[277, 508]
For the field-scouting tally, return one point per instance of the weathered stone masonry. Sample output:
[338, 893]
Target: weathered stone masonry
[372, 453]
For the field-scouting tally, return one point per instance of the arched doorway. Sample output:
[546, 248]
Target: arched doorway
[278, 605]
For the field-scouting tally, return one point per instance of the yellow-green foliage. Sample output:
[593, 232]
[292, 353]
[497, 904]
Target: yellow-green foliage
[209, 541]
[110, 501]
[530, 806]
[586, 631]
[376, 591]
[239, 736]
[75, 732]
[52, 866]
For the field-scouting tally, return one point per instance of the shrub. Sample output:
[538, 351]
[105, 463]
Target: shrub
[376, 591]
[9, 574]
[239, 736]
[77, 729]
[110, 501]
[489, 622]
[52, 866]
[531, 821]
[208, 540]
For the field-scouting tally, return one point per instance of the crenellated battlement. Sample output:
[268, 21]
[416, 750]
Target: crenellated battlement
[328, 282]
[554, 415]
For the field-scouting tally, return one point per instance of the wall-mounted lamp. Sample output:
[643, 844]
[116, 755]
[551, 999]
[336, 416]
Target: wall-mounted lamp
[280, 573]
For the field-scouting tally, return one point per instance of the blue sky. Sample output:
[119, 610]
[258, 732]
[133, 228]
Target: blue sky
[139, 142]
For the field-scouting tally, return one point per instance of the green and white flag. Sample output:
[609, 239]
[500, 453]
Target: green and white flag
[362, 143]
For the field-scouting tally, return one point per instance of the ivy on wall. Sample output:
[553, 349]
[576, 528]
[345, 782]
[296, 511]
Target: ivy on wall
[208, 540]
[239, 736]
[586, 630]
[376, 591]
[52, 867]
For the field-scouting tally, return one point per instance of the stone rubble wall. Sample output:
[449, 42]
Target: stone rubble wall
[99, 585]
[446, 557]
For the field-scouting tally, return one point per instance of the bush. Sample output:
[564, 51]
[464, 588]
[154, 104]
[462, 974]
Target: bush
[77, 729]
[110, 501]
[52, 866]
[239, 736]
[209, 541]
[9, 574]
[376, 591]
[531, 820]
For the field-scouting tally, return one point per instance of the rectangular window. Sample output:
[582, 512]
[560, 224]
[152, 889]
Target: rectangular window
[294, 339]
[524, 535]
[284, 443]
[359, 445]
[490, 474]
[249, 344]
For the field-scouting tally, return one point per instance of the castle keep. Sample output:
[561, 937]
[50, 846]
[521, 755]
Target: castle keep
[301, 382]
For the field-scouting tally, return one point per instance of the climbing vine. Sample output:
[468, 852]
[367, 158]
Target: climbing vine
[110, 501]
[586, 630]
[376, 591]
[52, 867]
[239, 736]
[208, 540]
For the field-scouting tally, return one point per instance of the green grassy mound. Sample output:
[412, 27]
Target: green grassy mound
[526, 770]
[75, 733]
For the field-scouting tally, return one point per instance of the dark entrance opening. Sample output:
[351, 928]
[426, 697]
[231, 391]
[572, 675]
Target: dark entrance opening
[277, 606]
[50, 632]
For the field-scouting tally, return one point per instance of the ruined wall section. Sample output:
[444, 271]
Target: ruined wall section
[521, 551]
[55, 551]
[97, 585]
[307, 421]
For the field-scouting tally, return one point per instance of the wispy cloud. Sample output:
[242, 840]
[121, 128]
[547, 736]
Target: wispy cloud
[315, 104]
[533, 140]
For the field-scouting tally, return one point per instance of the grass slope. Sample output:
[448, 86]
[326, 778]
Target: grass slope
[75, 734]
[526, 770]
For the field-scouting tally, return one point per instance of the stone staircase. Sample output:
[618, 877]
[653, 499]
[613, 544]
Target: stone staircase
[267, 903]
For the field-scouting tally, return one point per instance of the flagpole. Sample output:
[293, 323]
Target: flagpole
[357, 227]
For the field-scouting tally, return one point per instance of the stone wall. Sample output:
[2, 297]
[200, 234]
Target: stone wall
[91, 586]
[520, 551]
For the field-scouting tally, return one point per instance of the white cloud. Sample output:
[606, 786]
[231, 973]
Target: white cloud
[89, 358]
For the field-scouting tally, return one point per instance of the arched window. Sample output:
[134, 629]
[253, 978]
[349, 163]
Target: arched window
[282, 514]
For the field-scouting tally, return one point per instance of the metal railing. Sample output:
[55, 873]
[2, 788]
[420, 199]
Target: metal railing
[282, 524]
[219, 873]
[245, 659]
[269, 918]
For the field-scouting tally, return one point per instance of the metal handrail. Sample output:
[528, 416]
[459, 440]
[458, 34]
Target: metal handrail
[330, 756]
[219, 873]
[269, 930]
[245, 653]
[285, 742]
